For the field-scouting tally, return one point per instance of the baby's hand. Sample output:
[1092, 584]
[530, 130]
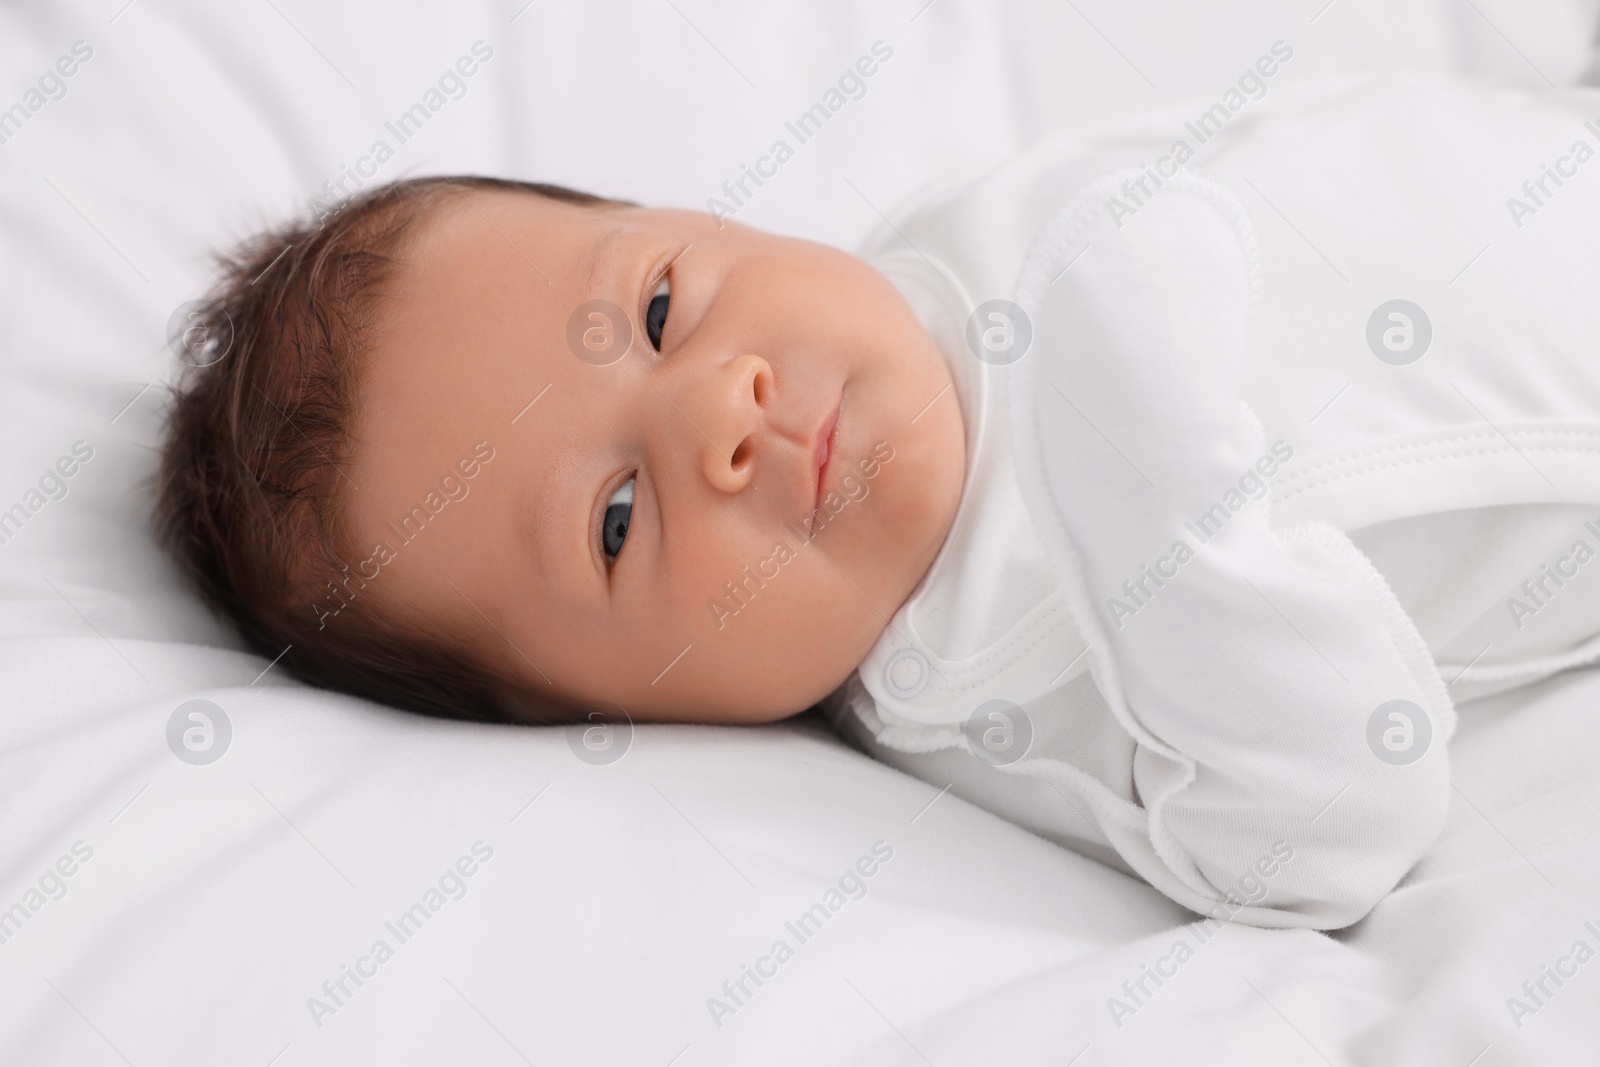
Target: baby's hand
[1247, 663]
[1140, 344]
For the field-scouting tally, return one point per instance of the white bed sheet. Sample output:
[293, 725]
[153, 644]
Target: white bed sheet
[218, 898]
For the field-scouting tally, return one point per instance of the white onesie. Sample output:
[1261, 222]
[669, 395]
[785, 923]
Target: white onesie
[1202, 396]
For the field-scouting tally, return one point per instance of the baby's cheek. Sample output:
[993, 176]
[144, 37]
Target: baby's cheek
[733, 584]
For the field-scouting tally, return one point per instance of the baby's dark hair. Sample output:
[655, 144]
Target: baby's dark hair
[251, 490]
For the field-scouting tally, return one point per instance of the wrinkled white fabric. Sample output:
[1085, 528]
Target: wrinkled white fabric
[1149, 635]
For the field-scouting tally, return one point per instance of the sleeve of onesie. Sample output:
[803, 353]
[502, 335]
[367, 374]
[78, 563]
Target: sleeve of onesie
[1290, 725]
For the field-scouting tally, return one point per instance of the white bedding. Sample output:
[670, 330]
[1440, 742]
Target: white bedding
[207, 904]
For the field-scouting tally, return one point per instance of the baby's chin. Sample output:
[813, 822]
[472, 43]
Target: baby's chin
[887, 545]
[920, 508]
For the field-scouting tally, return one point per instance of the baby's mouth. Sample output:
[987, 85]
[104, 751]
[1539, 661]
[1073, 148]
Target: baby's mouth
[822, 451]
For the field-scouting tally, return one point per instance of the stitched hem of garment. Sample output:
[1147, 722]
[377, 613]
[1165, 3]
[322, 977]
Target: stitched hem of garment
[1474, 444]
[1041, 266]
[1401, 627]
[1583, 655]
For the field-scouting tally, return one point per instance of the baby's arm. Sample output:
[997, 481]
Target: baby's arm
[1248, 672]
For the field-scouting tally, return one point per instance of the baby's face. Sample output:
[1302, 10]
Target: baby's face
[713, 522]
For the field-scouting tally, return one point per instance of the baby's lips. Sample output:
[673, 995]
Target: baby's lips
[822, 450]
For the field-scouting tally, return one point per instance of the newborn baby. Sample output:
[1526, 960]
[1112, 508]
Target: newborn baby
[1027, 497]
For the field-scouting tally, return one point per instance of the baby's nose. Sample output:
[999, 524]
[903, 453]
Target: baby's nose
[726, 404]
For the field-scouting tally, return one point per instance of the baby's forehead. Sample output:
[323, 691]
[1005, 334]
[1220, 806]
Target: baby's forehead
[569, 248]
[481, 298]
[547, 235]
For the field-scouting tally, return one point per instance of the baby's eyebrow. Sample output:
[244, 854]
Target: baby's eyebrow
[600, 253]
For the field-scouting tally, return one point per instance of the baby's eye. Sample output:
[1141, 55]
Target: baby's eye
[655, 316]
[619, 513]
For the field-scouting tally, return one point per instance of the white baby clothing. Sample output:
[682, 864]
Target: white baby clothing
[1267, 442]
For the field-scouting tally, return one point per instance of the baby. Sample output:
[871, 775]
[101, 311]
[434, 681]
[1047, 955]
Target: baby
[1027, 497]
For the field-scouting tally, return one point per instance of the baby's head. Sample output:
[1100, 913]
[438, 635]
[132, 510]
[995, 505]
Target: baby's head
[504, 451]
